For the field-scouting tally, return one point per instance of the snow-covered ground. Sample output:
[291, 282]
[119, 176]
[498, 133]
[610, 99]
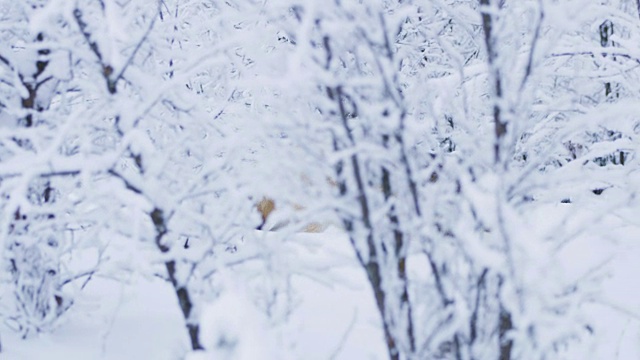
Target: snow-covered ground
[332, 319]
[333, 315]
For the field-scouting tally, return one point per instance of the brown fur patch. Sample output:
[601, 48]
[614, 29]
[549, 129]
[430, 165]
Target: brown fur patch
[265, 208]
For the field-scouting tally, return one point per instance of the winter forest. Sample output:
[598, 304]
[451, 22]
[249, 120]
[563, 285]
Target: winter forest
[305, 179]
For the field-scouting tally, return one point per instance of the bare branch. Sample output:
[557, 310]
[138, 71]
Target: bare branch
[138, 46]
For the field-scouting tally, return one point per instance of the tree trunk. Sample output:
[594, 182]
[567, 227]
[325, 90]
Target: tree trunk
[182, 292]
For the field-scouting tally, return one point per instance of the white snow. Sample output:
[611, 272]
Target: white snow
[140, 319]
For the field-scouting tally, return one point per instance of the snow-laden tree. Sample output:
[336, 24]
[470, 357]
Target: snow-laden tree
[507, 181]
[384, 153]
[39, 212]
[150, 129]
[433, 113]
[190, 115]
[177, 157]
[82, 82]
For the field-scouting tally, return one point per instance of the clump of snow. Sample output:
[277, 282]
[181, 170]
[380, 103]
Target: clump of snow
[233, 328]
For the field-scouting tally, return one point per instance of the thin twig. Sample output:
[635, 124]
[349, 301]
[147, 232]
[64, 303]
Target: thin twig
[345, 336]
